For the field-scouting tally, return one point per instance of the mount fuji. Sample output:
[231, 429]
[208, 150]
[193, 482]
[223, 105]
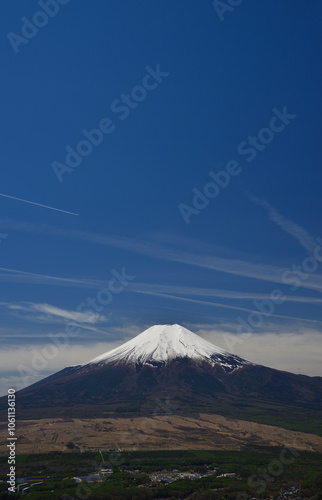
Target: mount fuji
[162, 344]
[170, 362]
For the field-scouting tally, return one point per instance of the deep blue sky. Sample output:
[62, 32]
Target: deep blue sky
[225, 78]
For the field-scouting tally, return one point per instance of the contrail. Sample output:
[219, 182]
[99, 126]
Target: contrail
[38, 204]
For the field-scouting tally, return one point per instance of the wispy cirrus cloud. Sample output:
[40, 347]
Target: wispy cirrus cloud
[138, 287]
[213, 292]
[234, 266]
[49, 311]
[224, 306]
[19, 276]
[290, 227]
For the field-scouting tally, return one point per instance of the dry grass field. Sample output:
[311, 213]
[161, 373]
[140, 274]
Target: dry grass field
[208, 431]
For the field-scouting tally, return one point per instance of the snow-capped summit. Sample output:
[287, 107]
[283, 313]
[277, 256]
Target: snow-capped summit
[164, 343]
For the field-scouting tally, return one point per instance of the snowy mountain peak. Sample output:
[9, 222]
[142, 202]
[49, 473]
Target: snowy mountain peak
[164, 343]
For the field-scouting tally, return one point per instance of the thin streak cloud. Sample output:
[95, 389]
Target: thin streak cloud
[225, 306]
[38, 204]
[27, 277]
[290, 227]
[49, 310]
[238, 267]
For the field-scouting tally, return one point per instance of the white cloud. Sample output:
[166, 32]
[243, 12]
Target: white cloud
[299, 352]
[35, 362]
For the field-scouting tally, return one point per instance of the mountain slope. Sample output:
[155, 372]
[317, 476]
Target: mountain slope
[168, 362]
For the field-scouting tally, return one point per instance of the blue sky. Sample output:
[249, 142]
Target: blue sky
[177, 91]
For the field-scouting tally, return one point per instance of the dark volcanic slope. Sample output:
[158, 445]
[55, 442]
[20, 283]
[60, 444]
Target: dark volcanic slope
[201, 378]
[121, 386]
